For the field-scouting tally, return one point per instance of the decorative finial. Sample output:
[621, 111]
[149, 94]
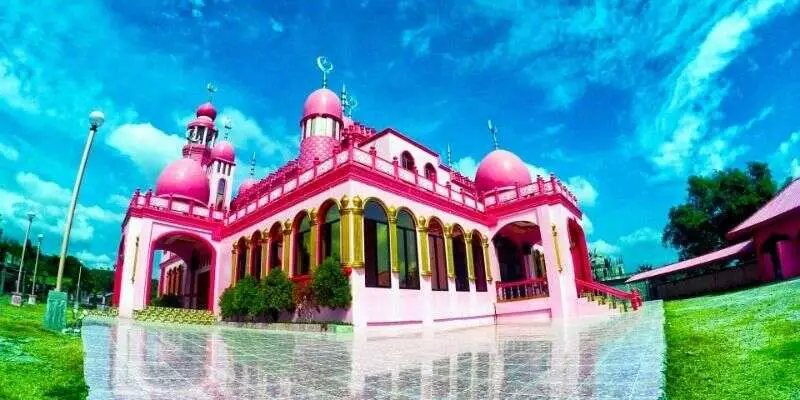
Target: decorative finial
[349, 102]
[211, 90]
[326, 67]
[493, 132]
[253, 166]
[449, 155]
[227, 123]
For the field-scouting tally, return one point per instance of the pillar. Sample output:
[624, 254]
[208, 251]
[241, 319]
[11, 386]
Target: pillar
[560, 272]
[487, 260]
[287, 247]
[448, 249]
[357, 219]
[234, 259]
[393, 256]
[266, 241]
[345, 240]
[470, 261]
[314, 259]
[424, 254]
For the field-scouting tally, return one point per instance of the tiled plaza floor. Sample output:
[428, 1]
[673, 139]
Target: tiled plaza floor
[621, 358]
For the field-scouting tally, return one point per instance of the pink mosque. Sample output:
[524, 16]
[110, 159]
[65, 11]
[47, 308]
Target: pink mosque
[422, 244]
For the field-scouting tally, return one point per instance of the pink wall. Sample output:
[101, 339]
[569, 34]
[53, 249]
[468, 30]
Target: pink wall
[788, 250]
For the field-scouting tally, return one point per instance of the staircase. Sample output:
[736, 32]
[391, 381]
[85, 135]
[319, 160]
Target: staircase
[606, 297]
[175, 316]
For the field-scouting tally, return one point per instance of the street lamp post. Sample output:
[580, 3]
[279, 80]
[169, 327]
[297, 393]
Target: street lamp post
[56, 316]
[78, 290]
[16, 297]
[32, 297]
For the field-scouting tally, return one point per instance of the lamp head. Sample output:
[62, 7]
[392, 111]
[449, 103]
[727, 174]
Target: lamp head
[31, 215]
[96, 119]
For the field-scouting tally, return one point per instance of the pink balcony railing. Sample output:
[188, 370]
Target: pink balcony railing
[540, 186]
[175, 206]
[521, 290]
[614, 295]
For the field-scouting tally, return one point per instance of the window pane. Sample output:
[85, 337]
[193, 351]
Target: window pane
[404, 220]
[384, 274]
[411, 259]
[332, 214]
[375, 212]
[401, 257]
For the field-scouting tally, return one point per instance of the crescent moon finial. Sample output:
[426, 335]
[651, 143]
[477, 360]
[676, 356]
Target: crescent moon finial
[326, 67]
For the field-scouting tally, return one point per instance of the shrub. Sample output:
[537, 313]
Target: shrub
[331, 288]
[168, 300]
[276, 293]
[303, 298]
[247, 301]
[227, 303]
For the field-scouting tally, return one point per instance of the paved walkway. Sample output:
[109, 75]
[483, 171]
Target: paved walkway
[620, 358]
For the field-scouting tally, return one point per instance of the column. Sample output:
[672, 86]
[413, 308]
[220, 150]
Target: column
[487, 261]
[560, 273]
[393, 256]
[314, 259]
[470, 261]
[424, 254]
[265, 243]
[357, 219]
[344, 232]
[234, 259]
[287, 247]
[160, 281]
[248, 257]
[448, 249]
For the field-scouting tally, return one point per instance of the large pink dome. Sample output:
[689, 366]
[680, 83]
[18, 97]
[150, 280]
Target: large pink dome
[323, 102]
[223, 151]
[500, 169]
[184, 179]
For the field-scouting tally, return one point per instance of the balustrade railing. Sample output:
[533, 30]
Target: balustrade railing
[605, 293]
[175, 206]
[521, 290]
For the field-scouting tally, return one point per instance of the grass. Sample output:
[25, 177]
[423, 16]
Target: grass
[739, 345]
[36, 363]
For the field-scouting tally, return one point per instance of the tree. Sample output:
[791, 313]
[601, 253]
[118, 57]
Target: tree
[714, 206]
[644, 268]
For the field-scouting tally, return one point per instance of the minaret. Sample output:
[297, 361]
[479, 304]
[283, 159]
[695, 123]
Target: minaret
[201, 133]
[321, 124]
[221, 169]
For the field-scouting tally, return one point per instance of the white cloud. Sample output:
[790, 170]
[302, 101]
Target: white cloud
[587, 225]
[119, 200]
[41, 190]
[467, 166]
[603, 247]
[419, 39]
[275, 25]
[784, 147]
[147, 146]
[641, 235]
[583, 190]
[794, 168]
[8, 152]
[92, 260]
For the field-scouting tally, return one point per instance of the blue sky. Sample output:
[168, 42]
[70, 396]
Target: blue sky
[621, 99]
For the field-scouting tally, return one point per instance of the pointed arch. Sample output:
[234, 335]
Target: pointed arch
[407, 255]
[437, 254]
[276, 244]
[478, 263]
[460, 258]
[255, 254]
[330, 231]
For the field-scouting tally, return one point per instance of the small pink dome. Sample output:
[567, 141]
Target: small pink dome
[207, 110]
[184, 179]
[223, 151]
[500, 169]
[323, 102]
[247, 185]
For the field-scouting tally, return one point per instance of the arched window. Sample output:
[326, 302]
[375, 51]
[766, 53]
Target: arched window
[407, 251]
[220, 201]
[302, 245]
[275, 247]
[478, 263]
[460, 260]
[430, 172]
[376, 246]
[437, 256]
[407, 161]
[255, 255]
[330, 233]
[241, 259]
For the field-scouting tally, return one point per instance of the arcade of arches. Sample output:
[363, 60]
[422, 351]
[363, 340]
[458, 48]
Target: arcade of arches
[185, 269]
[371, 235]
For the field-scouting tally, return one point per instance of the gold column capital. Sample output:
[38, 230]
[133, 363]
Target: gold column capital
[344, 204]
[358, 204]
[391, 215]
[485, 242]
[287, 227]
[448, 231]
[422, 224]
[313, 215]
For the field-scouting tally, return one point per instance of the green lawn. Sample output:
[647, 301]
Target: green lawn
[740, 345]
[36, 363]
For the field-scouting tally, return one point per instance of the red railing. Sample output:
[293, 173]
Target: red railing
[521, 290]
[596, 289]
